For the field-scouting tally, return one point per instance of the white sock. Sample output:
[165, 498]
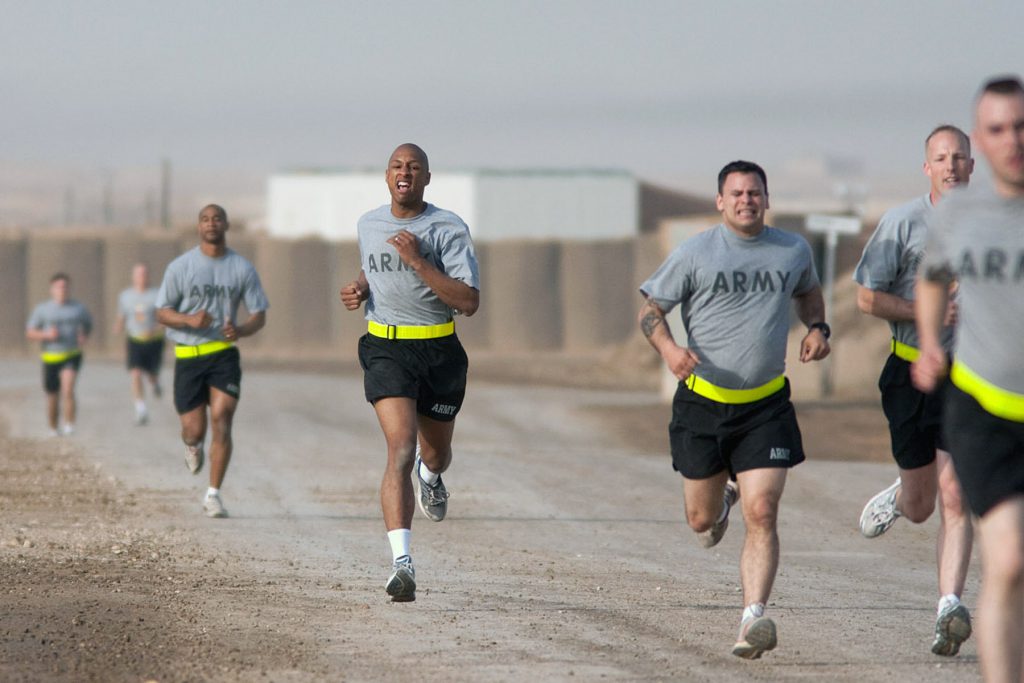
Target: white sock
[399, 540]
[949, 600]
[212, 492]
[754, 610]
[426, 475]
[140, 407]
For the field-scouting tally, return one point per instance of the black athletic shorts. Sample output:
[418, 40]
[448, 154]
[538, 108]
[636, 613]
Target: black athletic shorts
[51, 372]
[987, 451]
[430, 371]
[915, 418]
[146, 355]
[193, 378]
[708, 437]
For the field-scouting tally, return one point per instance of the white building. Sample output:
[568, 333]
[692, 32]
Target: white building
[534, 204]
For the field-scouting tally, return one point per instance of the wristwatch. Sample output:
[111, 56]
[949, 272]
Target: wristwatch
[826, 331]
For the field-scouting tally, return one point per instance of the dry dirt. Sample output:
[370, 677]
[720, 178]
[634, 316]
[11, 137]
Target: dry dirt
[564, 556]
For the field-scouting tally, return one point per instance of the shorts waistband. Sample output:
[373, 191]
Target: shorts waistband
[54, 357]
[1008, 405]
[144, 339]
[704, 388]
[183, 351]
[410, 331]
[904, 351]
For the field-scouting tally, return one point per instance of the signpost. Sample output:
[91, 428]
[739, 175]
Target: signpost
[832, 227]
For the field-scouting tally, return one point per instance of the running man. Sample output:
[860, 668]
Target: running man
[419, 269]
[977, 238]
[62, 325]
[136, 314]
[731, 416]
[885, 277]
[198, 302]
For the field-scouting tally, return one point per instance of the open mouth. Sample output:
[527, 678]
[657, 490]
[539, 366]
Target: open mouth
[403, 185]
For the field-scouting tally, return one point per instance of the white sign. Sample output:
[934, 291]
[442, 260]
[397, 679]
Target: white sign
[844, 225]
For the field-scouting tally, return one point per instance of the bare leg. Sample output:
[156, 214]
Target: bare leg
[759, 560]
[136, 375]
[53, 408]
[68, 376]
[703, 500]
[398, 421]
[435, 439]
[916, 498]
[222, 413]
[1001, 604]
[956, 532]
[193, 426]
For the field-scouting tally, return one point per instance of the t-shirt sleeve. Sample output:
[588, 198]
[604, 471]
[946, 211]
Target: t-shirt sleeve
[170, 294]
[880, 263]
[458, 256]
[672, 282]
[35, 319]
[254, 296]
[809, 275]
[936, 264]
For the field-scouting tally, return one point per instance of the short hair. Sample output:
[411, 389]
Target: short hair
[60, 276]
[948, 128]
[218, 207]
[417, 150]
[741, 167]
[1002, 85]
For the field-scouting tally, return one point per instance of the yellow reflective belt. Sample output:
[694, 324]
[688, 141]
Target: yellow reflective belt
[704, 388]
[54, 357]
[410, 331]
[996, 400]
[182, 351]
[904, 351]
[151, 338]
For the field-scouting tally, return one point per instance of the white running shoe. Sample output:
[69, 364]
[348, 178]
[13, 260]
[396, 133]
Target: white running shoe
[194, 458]
[757, 636]
[711, 537]
[141, 417]
[401, 585]
[214, 507]
[952, 628]
[880, 513]
[68, 429]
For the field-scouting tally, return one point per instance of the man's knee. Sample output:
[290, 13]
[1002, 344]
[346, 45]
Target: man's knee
[700, 520]
[761, 512]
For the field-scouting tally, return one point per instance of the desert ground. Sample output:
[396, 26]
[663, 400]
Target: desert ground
[564, 556]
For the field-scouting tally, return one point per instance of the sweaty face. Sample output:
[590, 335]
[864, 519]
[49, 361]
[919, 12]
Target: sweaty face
[743, 202]
[948, 162]
[212, 225]
[407, 177]
[999, 134]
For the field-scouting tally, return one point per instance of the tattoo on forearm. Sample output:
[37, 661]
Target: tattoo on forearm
[650, 322]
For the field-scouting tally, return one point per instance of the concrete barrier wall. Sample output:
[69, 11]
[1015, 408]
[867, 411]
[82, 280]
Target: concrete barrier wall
[14, 309]
[525, 295]
[535, 295]
[598, 301]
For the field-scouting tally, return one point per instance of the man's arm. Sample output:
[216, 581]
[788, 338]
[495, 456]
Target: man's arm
[680, 360]
[455, 293]
[810, 308]
[250, 327]
[172, 318]
[884, 305]
[931, 302]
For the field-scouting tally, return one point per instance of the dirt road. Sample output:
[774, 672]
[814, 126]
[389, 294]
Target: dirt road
[563, 558]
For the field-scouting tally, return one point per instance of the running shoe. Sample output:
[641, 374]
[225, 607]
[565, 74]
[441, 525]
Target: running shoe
[141, 417]
[67, 430]
[952, 628]
[157, 391]
[711, 537]
[880, 513]
[757, 636]
[432, 498]
[213, 507]
[194, 458]
[401, 585]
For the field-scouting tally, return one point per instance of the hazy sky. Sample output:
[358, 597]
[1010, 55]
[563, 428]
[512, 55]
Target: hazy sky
[668, 89]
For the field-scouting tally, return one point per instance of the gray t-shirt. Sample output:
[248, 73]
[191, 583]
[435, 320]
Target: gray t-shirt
[196, 282]
[397, 294]
[891, 258]
[979, 236]
[735, 300]
[139, 311]
[69, 318]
